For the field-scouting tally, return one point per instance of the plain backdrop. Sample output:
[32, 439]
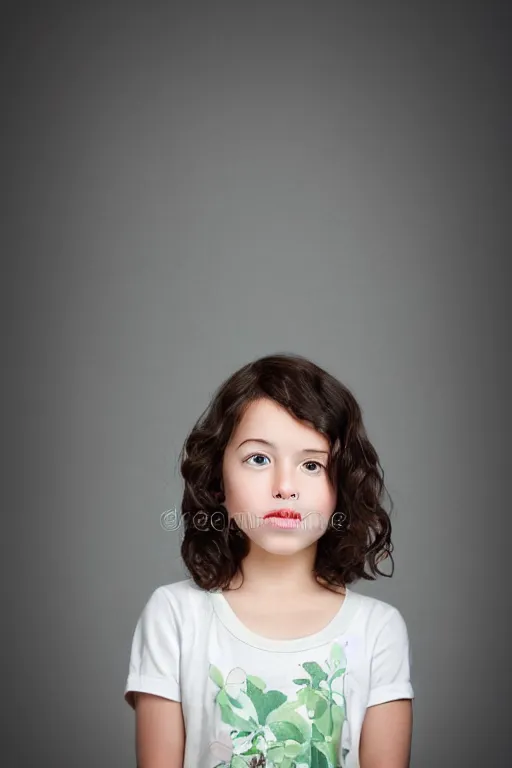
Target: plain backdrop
[188, 187]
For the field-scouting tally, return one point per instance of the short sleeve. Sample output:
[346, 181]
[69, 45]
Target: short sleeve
[155, 654]
[391, 663]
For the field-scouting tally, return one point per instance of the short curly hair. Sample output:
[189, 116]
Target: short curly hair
[213, 548]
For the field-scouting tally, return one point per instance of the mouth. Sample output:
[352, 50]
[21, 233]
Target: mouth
[283, 514]
[283, 518]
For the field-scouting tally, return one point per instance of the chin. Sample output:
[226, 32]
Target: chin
[282, 543]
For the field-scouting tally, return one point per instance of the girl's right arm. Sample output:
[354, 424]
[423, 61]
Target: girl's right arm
[160, 732]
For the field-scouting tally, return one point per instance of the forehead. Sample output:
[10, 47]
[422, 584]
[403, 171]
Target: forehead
[266, 419]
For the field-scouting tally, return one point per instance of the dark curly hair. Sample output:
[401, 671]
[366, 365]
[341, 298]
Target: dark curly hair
[213, 548]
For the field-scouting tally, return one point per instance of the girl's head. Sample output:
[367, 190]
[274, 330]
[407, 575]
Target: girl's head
[282, 434]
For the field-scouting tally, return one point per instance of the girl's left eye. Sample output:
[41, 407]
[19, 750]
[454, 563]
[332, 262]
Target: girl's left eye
[315, 463]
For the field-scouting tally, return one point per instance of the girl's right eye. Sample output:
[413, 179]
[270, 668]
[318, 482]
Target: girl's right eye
[256, 456]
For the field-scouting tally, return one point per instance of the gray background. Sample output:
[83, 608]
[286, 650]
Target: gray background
[190, 187]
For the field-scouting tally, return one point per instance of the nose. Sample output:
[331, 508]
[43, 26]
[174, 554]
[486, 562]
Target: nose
[284, 488]
[280, 495]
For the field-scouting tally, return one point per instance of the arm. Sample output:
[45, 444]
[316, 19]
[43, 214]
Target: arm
[153, 687]
[386, 735]
[160, 732]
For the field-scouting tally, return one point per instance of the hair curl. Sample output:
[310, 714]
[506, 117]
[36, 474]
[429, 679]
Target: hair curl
[212, 548]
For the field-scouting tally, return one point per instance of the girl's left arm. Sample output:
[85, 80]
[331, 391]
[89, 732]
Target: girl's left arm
[386, 735]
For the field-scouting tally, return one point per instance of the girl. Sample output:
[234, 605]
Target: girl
[265, 656]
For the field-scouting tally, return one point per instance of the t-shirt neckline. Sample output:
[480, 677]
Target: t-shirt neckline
[336, 627]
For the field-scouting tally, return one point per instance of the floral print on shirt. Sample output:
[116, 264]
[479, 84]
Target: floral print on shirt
[268, 729]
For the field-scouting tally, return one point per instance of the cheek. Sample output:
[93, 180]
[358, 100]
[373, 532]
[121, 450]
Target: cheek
[328, 499]
[244, 489]
[233, 482]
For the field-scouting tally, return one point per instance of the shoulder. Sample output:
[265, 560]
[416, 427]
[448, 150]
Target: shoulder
[181, 591]
[183, 600]
[383, 638]
[375, 616]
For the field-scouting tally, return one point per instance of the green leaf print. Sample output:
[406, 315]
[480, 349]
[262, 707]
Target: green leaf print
[320, 707]
[285, 731]
[318, 760]
[291, 749]
[237, 762]
[337, 653]
[216, 675]
[264, 702]
[275, 754]
[286, 714]
[316, 672]
[328, 749]
[329, 724]
[234, 702]
[338, 673]
[257, 681]
[269, 729]
[314, 701]
[231, 718]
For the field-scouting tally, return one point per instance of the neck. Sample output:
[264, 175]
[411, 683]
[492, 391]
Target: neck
[280, 574]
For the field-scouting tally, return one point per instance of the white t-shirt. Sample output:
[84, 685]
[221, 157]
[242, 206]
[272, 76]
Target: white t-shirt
[297, 703]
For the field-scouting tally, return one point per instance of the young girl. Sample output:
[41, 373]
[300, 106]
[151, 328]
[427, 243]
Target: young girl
[265, 657]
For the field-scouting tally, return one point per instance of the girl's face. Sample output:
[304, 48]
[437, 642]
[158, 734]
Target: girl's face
[274, 462]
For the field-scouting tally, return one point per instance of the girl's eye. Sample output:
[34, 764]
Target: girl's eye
[257, 459]
[256, 456]
[315, 464]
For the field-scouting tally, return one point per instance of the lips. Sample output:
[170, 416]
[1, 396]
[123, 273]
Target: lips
[283, 514]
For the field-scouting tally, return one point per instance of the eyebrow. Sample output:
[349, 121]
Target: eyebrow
[271, 445]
